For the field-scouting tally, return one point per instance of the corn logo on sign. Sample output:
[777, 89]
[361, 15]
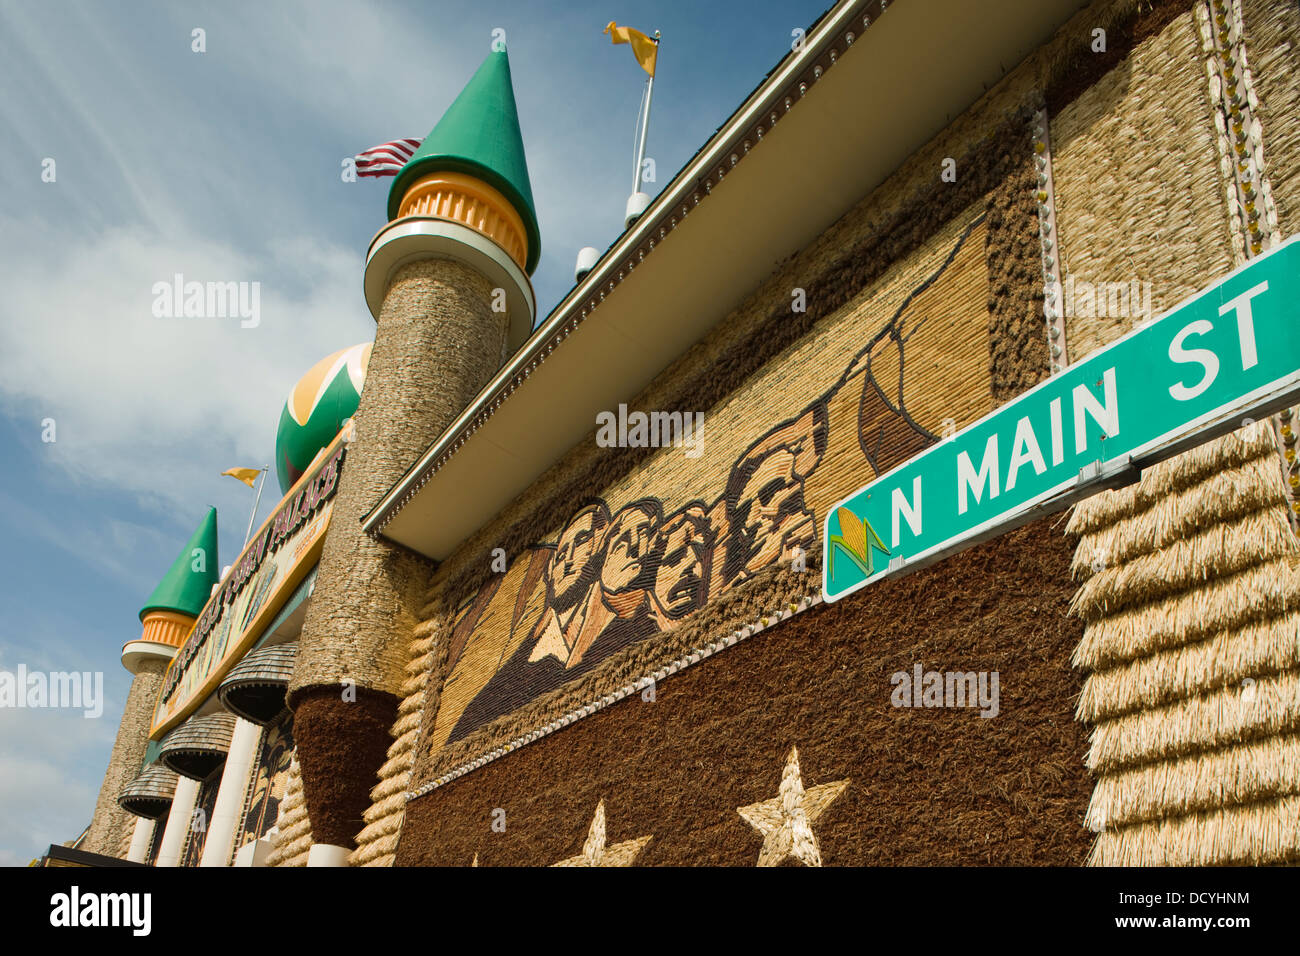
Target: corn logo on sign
[1206, 367]
[856, 540]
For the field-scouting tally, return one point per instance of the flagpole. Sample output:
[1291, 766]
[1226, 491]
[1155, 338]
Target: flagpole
[256, 501]
[645, 122]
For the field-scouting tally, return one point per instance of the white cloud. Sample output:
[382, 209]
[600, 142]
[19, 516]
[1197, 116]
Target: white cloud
[159, 406]
[107, 546]
[46, 789]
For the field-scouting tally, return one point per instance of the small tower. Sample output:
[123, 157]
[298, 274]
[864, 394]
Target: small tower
[167, 617]
[447, 282]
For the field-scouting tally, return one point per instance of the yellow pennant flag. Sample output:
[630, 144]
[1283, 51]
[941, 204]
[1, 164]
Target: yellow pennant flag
[643, 48]
[247, 475]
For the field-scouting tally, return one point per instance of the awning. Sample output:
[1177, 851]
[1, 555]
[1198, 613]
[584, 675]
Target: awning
[255, 687]
[150, 794]
[198, 746]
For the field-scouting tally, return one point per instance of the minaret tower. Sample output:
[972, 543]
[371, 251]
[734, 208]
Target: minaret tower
[166, 617]
[447, 282]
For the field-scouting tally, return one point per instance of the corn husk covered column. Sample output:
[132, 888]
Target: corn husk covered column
[447, 282]
[166, 620]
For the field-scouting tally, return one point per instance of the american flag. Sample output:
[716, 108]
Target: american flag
[387, 158]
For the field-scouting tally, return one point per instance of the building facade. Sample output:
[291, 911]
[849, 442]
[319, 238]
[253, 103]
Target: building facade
[555, 596]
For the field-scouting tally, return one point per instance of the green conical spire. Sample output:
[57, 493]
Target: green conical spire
[186, 586]
[479, 135]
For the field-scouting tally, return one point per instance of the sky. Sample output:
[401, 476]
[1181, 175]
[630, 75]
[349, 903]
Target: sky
[227, 165]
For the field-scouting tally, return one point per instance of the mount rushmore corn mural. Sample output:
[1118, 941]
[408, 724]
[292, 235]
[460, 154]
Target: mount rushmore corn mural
[613, 577]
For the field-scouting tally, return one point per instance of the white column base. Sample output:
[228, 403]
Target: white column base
[230, 795]
[140, 840]
[326, 854]
[254, 853]
[178, 822]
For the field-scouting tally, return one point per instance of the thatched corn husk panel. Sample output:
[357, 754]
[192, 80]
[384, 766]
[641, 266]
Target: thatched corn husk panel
[411, 704]
[1228, 777]
[398, 755]
[389, 805]
[1176, 474]
[1260, 648]
[295, 811]
[385, 826]
[295, 852]
[1269, 705]
[381, 795]
[376, 848]
[293, 839]
[1260, 592]
[415, 663]
[379, 853]
[392, 771]
[377, 841]
[1219, 550]
[406, 723]
[423, 632]
[1143, 130]
[1230, 494]
[1264, 832]
[295, 825]
[414, 685]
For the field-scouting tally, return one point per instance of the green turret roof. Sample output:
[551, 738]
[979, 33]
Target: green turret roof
[186, 586]
[479, 135]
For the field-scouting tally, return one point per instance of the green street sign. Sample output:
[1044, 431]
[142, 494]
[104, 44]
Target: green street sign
[1227, 353]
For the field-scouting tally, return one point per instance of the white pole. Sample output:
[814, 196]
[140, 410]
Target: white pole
[256, 501]
[140, 840]
[645, 122]
[230, 794]
[178, 822]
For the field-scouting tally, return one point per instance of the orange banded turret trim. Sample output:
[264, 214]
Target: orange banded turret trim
[166, 627]
[470, 202]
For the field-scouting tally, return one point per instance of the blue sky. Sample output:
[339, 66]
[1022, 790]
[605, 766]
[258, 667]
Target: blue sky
[225, 165]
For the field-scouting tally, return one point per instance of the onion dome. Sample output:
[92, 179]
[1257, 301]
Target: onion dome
[317, 407]
[255, 687]
[198, 746]
[479, 136]
[187, 585]
[150, 794]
